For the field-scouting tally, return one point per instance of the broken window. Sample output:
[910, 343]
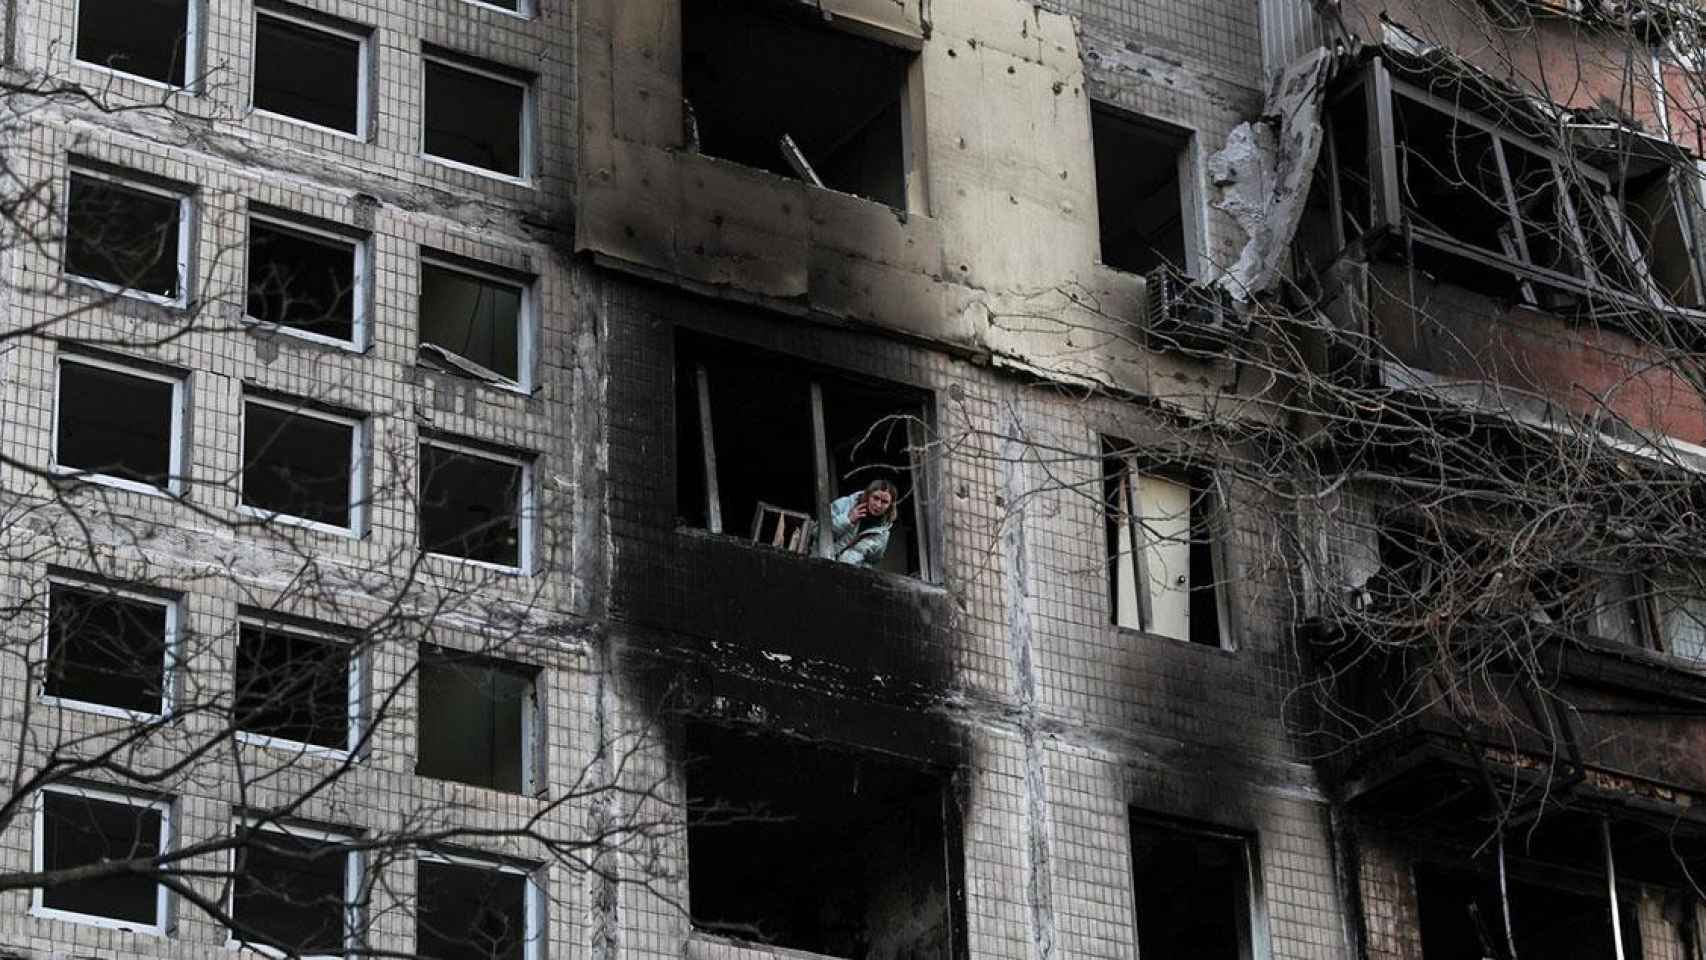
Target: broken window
[477, 115]
[474, 504]
[152, 39]
[1482, 203]
[1193, 891]
[522, 8]
[474, 323]
[119, 424]
[470, 909]
[297, 685]
[1680, 608]
[1145, 192]
[82, 827]
[1164, 564]
[478, 720]
[734, 51]
[301, 462]
[768, 448]
[108, 648]
[809, 847]
[310, 68]
[127, 235]
[309, 280]
[295, 889]
[1462, 915]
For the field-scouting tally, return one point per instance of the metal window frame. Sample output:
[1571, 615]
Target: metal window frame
[163, 902]
[527, 314]
[359, 468]
[193, 16]
[364, 69]
[354, 874]
[177, 454]
[526, 503]
[357, 698]
[525, 176]
[534, 902]
[360, 276]
[185, 239]
[173, 643]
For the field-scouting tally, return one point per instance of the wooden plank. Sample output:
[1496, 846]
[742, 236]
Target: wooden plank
[820, 463]
[708, 442]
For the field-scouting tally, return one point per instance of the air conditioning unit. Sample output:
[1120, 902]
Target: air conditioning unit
[1196, 317]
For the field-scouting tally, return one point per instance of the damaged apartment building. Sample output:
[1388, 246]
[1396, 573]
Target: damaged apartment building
[852, 479]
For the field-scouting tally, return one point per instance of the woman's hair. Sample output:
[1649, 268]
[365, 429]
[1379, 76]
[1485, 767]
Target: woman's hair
[882, 483]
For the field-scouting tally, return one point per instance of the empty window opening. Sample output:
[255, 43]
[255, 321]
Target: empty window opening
[478, 720]
[118, 424]
[85, 827]
[310, 70]
[152, 39]
[769, 448]
[733, 51]
[1194, 892]
[473, 910]
[476, 116]
[297, 686]
[295, 890]
[306, 280]
[472, 324]
[108, 649]
[812, 848]
[301, 463]
[1144, 192]
[1462, 915]
[474, 505]
[127, 236]
[1164, 562]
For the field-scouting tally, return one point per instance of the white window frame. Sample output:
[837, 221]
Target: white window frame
[359, 306]
[38, 859]
[364, 59]
[192, 52]
[526, 324]
[525, 9]
[358, 478]
[355, 692]
[186, 234]
[524, 506]
[175, 464]
[1132, 475]
[525, 177]
[354, 869]
[168, 670]
[533, 893]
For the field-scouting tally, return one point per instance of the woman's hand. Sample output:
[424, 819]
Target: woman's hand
[859, 511]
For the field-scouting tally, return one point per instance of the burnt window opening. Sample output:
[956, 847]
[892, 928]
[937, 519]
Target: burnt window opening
[477, 116]
[474, 323]
[127, 236]
[295, 889]
[108, 649]
[478, 721]
[301, 463]
[475, 505]
[754, 72]
[152, 39]
[1193, 888]
[119, 424]
[808, 847]
[749, 462]
[1165, 563]
[1482, 204]
[81, 827]
[1462, 915]
[468, 909]
[311, 69]
[297, 686]
[307, 280]
[1145, 192]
